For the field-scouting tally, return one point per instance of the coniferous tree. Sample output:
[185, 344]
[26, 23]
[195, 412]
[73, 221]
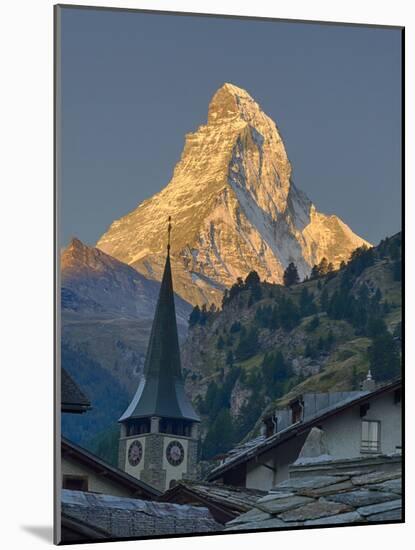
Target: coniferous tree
[321, 269]
[290, 276]
[252, 283]
[330, 340]
[225, 298]
[324, 300]
[249, 414]
[376, 327]
[236, 288]
[235, 327]
[384, 357]
[252, 280]
[330, 272]
[386, 307]
[203, 314]
[275, 373]
[220, 343]
[360, 259]
[313, 324]
[248, 344]
[230, 340]
[310, 351]
[307, 306]
[211, 400]
[274, 319]
[288, 313]
[355, 379]
[323, 266]
[314, 272]
[194, 317]
[220, 437]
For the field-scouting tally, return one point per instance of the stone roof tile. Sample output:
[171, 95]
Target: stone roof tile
[310, 498]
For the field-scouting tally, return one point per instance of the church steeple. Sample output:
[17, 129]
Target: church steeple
[159, 433]
[161, 391]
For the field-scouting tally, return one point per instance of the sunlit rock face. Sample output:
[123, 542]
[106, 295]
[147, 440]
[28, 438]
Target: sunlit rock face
[97, 285]
[234, 209]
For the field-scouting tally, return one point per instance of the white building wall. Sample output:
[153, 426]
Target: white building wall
[343, 431]
[174, 472]
[261, 477]
[96, 483]
[134, 470]
[343, 438]
[390, 416]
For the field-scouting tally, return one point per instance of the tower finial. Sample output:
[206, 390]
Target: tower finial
[168, 234]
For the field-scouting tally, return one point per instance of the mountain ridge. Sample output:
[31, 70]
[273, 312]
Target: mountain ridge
[234, 207]
[112, 285]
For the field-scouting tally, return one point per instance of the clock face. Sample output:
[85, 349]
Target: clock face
[175, 453]
[135, 453]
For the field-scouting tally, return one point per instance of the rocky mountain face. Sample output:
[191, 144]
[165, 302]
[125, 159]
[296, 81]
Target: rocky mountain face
[94, 282]
[234, 209]
[107, 309]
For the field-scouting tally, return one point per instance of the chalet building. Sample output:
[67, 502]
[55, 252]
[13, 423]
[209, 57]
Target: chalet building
[159, 430]
[355, 424]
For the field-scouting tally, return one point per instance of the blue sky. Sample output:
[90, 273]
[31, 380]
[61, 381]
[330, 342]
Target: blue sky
[133, 84]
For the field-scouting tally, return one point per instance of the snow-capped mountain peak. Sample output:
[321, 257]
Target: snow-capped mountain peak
[234, 209]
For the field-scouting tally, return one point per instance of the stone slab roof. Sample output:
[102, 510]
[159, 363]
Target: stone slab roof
[75, 530]
[224, 502]
[129, 517]
[243, 447]
[329, 497]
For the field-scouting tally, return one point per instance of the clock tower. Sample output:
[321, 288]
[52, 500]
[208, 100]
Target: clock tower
[159, 430]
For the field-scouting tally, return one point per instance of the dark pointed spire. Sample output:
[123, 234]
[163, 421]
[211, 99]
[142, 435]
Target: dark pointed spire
[161, 390]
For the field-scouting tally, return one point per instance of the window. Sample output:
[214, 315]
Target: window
[138, 426]
[364, 409]
[75, 483]
[297, 411]
[174, 426]
[370, 436]
[269, 427]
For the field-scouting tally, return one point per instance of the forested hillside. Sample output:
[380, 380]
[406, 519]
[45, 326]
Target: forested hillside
[270, 342]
